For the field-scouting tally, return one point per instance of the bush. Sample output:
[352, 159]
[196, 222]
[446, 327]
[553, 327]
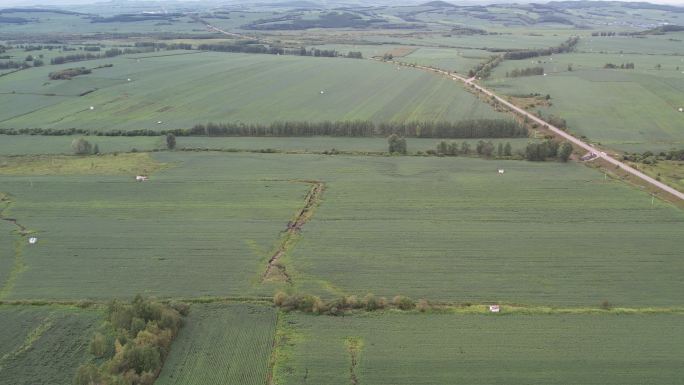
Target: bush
[81, 146]
[403, 303]
[88, 374]
[423, 305]
[99, 346]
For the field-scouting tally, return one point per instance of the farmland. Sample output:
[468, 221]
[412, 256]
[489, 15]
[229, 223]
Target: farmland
[439, 211]
[35, 145]
[222, 344]
[225, 87]
[41, 345]
[483, 349]
[287, 199]
[609, 117]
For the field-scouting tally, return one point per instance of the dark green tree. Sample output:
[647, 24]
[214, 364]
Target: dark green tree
[565, 152]
[170, 141]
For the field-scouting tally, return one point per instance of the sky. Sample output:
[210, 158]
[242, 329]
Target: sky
[14, 3]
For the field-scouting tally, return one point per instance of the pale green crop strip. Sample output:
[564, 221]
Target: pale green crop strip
[31, 338]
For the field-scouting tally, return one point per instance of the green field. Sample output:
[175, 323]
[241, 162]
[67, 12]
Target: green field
[451, 229]
[43, 345]
[189, 87]
[259, 259]
[34, 145]
[481, 349]
[610, 115]
[222, 344]
[197, 229]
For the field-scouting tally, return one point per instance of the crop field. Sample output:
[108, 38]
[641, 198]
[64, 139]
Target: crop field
[222, 344]
[455, 230]
[421, 349]
[34, 145]
[195, 230]
[427, 226]
[452, 59]
[37, 145]
[609, 117]
[182, 89]
[7, 251]
[43, 345]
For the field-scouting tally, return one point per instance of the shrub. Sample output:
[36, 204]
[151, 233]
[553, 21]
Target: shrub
[423, 305]
[403, 303]
[279, 298]
[81, 146]
[99, 345]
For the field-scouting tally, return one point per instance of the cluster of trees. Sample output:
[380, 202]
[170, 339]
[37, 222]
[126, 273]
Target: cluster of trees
[313, 304]
[133, 343]
[530, 71]
[396, 144]
[566, 46]
[557, 121]
[483, 70]
[486, 149]
[81, 146]
[539, 152]
[69, 73]
[623, 66]
[648, 157]
[13, 65]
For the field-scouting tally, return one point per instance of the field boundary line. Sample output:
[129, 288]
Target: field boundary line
[274, 269]
[18, 267]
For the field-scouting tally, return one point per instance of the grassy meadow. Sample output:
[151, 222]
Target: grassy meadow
[222, 344]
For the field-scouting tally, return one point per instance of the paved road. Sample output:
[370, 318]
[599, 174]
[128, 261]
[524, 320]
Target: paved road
[561, 133]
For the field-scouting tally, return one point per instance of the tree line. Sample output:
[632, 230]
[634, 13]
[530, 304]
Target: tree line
[530, 71]
[566, 46]
[623, 66]
[476, 128]
[312, 304]
[131, 346]
[92, 56]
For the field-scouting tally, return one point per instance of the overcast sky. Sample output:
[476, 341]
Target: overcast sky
[14, 3]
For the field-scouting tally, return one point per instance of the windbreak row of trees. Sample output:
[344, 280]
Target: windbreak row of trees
[530, 71]
[92, 56]
[477, 128]
[566, 46]
[247, 47]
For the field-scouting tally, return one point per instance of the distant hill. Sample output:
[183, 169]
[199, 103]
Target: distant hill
[438, 4]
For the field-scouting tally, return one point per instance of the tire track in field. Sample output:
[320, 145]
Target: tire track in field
[19, 266]
[354, 347]
[275, 270]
